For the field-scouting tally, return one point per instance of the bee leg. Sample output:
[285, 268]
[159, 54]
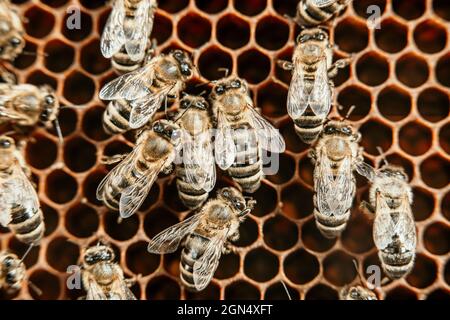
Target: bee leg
[229, 248]
[339, 64]
[312, 154]
[291, 19]
[366, 207]
[113, 159]
[285, 65]
[131, 281]
[7, 75]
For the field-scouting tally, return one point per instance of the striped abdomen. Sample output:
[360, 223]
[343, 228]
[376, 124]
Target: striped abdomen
[247, 169]
[122, 63]
[311, 15]
[193, 249]
[308, 127]
[116, 117]
[396, 265]
[27, 224]
[331, 226]
[112, 191]
[191, 197]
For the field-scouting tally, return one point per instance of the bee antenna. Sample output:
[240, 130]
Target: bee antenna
[58, 131]
[31, 53]
[181, 115]
[355, 263]
[286, 289]
[71, 107]
[34, 287]
[26, 253]
[383, 157]
[225, 70]
[202, 93]
[349, 112]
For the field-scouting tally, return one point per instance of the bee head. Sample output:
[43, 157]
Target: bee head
[228, 84]
[393, 171]
[14, 44]
[198, 102]
[235, 198]
[360, 293]
[13, 269]
[184, 62]
[342, 128]
[312, 43]
[168, 130]
[98, 253]
[50, 106]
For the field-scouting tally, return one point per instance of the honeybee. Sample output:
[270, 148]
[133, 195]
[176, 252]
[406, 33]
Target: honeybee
[12, 272]
[310, 92]
[126, 186]
[138, 94]
[207, 235]
[26, 105]
[394, 230]
[242, 133]
[11, 32]
[196, 171]
[19, 203]
[315, 12]
[357, 292]
[127, 31]
[102, 278]
[335, 155]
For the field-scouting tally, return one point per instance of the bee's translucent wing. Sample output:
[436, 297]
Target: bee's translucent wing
[121, 170]
[323, 3]
[406, 227]
[130, 86]
[224, 147]
[269, 138]
[198, 161]
[144, 108]
[168, 240]
[383, 226]
[320, 97]
[206, 265]
[365, 170]
[334, 194]
[113, 36]
[6, 202]
[133, 196]
[94, 291]
[10, 114]
[138, 38]
[119, 287]
[297, 100]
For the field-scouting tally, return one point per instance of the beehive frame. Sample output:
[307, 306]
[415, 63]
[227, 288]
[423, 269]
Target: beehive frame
[399, 80]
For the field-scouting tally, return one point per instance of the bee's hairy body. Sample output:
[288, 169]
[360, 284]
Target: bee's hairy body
[311, 15]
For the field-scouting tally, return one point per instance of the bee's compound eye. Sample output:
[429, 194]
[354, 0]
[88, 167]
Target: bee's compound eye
[8, 262]
[5, 143]
[185, 69]
[329, 130]
[347, 130]
[226, 193]
[184, 104]
[10, 277]
[320, 37]
[220, 89]
[354, 294]
[239, 205]
[178, 55]
[236, 84]
[200, 105]
[157, 127]
[15, 42]
[49, 99]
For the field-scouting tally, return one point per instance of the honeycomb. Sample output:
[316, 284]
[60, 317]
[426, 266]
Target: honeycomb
[399, 80]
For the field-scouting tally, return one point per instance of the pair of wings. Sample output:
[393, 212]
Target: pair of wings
[132, 196]
[384, 227]
[198, 160]
[302, 94]
[204, 268]
[16, 190]
[334, 193]
[119, 291]
[225, 148]
[135, 38]
[134, 87]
